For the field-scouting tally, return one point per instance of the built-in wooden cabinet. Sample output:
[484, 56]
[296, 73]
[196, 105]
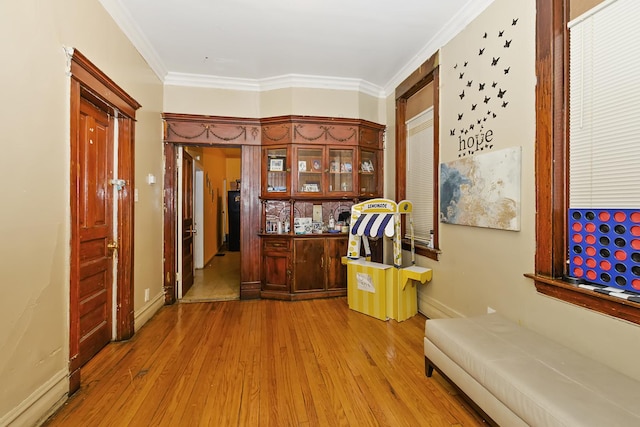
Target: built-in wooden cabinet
[369, 179]
[297, 267]
[276, 176]
[309, 265]
[342, 165]
[276, 265]
[319, 157]
[324, 172]
[314, 169]
[336, 273]
[318, 265]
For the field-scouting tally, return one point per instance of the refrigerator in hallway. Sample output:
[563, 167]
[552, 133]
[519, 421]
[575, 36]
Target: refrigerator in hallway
[233, 207]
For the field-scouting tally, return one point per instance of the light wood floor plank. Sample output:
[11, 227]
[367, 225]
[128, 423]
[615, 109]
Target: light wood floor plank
[265, 363]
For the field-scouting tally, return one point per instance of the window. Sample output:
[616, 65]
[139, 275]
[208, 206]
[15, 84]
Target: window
[417, 154]
[553, 179]
[419, 173]
[604, 60]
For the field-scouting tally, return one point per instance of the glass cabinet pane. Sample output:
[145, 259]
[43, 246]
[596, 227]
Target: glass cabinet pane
[310, 169]
[277, 180]
[341, 170]
[368, 172]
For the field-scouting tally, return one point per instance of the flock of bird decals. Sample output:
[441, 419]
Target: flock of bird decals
[482, 101]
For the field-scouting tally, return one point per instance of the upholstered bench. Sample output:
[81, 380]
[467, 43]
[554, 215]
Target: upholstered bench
[518, 377]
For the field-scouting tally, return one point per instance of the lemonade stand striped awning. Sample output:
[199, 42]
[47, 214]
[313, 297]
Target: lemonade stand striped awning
[374, 225]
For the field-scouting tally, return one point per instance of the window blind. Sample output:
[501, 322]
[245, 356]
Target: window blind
[419, 174]
[604, 99]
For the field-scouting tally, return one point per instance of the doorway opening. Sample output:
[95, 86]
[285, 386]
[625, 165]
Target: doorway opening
[187, 130]
[208, 221]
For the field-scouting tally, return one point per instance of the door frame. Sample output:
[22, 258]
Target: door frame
[215, 131]
[198, 215]
[182, 175]
[173, 218]
[88, 82]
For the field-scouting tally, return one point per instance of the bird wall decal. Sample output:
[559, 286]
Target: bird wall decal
[495, 73]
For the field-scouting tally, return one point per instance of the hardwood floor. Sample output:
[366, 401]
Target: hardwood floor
[265, 363]
[219, 280]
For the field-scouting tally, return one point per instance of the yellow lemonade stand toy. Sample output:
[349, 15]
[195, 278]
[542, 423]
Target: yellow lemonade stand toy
[380, 290]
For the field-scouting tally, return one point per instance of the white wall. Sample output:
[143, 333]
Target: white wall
[277, 102]
[478, 267]
[34, 166]
[481, 267]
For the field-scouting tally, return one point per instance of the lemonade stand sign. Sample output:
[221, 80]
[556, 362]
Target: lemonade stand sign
[380, 290]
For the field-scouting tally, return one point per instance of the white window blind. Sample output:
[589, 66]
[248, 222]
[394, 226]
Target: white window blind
[604, 99]
[419, 174]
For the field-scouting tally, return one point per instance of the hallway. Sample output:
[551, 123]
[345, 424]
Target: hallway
[219, 280]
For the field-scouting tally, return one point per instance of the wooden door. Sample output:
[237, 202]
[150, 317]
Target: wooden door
[336, 272]
[309, 268]
[188, 228]
[92, 142]
[95, 209]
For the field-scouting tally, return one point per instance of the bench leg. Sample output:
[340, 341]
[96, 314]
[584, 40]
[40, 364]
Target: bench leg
[428, 367]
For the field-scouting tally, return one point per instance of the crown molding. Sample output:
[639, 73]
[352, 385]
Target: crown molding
[123, 19]
[467, 14]
[128, 26]
[213, 82]
[273, 83]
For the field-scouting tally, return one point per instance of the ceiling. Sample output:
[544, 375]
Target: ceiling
[369, 45]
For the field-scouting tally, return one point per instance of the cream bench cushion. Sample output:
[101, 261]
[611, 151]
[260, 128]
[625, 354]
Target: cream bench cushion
[542, 382]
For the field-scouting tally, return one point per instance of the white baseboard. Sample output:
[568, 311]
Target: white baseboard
[434, 309]
[41, 404]
[145, 313]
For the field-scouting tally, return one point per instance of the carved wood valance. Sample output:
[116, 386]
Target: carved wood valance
[204, 130]
[194, 129]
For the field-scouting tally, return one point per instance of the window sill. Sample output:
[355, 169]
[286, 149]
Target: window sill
[421, 249]
[602, 303]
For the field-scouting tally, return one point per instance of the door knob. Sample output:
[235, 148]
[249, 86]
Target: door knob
[112, 245]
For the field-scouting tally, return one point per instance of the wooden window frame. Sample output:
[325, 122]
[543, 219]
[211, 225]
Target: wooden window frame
[552, 70]
[427, 73]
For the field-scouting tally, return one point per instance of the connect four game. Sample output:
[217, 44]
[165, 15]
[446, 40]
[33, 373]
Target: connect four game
[604, 248]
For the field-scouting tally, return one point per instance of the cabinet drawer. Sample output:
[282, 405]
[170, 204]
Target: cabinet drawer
[276, 244]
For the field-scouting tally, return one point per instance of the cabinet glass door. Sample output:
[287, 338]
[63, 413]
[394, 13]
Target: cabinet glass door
[341, 170]
[277, 165]
[369, 173]
[310, 169]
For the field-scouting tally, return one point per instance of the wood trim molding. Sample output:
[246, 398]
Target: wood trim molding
[198, 130]
[125, 319]
[428, 72]
[91, 77]
[278, 134]
[585, 298]
[87, 81]
[552, 47]
[418, 79]
[74, 279]
[170, 245]
[250, 211]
